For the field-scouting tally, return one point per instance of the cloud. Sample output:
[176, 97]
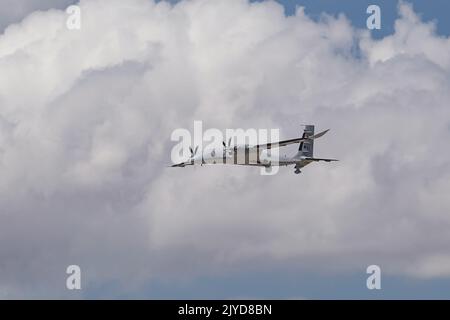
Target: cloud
[85, 125]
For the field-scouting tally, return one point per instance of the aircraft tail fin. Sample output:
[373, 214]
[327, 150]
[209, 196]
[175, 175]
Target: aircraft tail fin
[306, 147]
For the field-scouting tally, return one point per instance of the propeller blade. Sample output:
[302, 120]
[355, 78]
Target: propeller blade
[229, 142]
[192, 151]
[223, 142]
[195, 151]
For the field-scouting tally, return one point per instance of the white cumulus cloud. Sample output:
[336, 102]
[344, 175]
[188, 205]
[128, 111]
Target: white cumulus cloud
[85, 124]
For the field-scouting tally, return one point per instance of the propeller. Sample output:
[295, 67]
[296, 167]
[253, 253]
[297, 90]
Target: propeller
[227, 147]
[193, 152]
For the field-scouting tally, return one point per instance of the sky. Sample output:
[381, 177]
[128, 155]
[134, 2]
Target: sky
[85, 123]
[429, 10]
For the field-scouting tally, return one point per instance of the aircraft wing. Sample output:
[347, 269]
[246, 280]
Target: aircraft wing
[182, 164]
[288, 142]
[319, 159]
[178, 165]
[279, 143]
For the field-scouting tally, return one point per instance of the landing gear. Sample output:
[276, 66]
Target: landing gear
[297, 171]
